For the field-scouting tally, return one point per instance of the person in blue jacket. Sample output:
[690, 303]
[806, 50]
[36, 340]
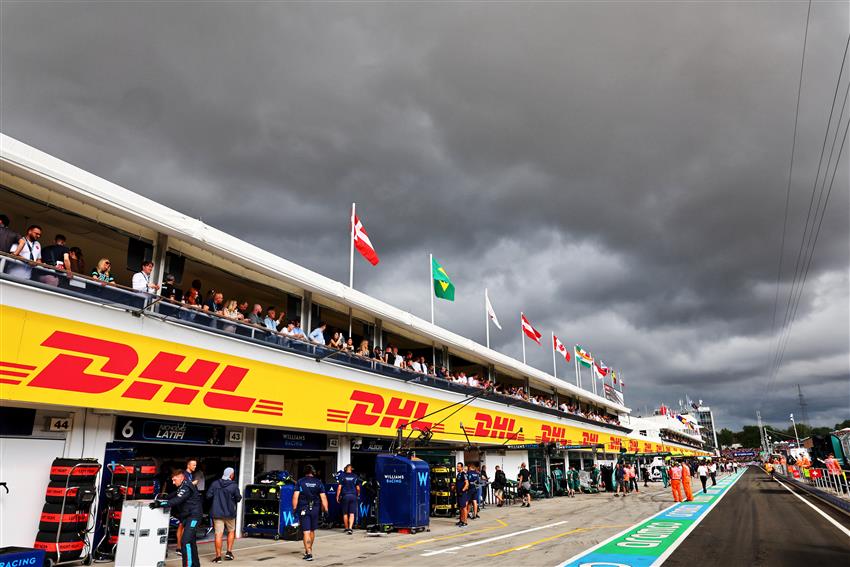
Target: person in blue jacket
[347, 495]
[473, 476]
[224, 494]
[187, 506]
[308, 496]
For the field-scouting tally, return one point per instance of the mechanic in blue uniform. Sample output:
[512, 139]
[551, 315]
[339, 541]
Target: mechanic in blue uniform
[308, 496]
[187, 505]
[473, 476]
[461, 491]
[347, 495]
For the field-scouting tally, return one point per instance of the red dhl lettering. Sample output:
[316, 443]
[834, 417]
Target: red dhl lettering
[71, 373]
[588, 438]
[634, 445]
[615, 442]
[371, 409]
[549, 433]
[495, 427]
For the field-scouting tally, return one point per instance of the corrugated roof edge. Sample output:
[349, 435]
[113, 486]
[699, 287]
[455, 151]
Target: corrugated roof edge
[117, 200]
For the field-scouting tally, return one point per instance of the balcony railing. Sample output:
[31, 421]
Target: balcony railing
[149, 305]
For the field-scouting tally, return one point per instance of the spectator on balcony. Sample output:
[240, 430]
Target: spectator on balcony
[242, 307]
[336, 341]
[102, 273]
[193, 298]
[273, 321]
[231, 310]
[215, 304]
[318, 334]
[293, 332]
[78, 263]
[142, 279]
[56, 256]
[298, 332]
[8, 237]
[256, 315]
[28, 248]
[196, 284]
[348, 346]
[415, 365]
[363, 349]
[395, 357]
[168, 290]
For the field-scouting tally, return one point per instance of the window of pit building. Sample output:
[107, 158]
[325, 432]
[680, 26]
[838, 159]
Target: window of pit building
[459, 364]
[407, 344]
[506, 381]
[95, 239]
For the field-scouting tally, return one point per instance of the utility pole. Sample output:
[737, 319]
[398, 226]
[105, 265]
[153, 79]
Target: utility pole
[761, 434]
[797, 437]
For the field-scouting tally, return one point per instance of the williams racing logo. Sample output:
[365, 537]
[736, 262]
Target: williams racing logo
[117, 369]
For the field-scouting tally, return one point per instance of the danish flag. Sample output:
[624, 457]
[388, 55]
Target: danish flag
[532, 333]
[560, 348]
[363, 244]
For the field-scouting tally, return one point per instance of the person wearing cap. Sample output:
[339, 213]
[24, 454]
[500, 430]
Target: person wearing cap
[308, 496]
[224, 493]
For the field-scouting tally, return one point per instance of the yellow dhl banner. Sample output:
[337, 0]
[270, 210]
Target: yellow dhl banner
[52, 360]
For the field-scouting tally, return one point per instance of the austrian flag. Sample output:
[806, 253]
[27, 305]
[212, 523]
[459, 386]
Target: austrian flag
[530, 331]
[362, 242]
[560, 348]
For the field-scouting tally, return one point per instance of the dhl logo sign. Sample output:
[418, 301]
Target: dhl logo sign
[589, 438]
[615, 443]
[371, 409]
[495, 427]
[87, 365]
[553, 433]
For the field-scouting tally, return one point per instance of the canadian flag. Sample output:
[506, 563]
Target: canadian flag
[560, 348]
[362, 242]
[532, 333]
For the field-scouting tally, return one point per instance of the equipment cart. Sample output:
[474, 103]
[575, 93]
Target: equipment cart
[267, 511]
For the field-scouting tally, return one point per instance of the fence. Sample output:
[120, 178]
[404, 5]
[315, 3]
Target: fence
[822, 479]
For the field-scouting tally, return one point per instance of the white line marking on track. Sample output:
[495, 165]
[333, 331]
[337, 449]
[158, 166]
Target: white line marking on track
[669, 551]
[816, 509]
[496, 538]
[630, 528]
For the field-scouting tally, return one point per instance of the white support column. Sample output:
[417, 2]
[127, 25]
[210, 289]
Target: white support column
[90, 434]
[343, 452]
[246, 469]
[459, 457]
[160, 247]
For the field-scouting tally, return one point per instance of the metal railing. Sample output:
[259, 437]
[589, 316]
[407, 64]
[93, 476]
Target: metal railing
[820, 478]
[84, 287]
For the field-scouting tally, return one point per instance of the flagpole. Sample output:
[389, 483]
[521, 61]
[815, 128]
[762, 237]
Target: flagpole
[486, 318]
[554, 364]
[351, 253]
[593, 378]
[522, 336]
[575, 359]
[431, 283]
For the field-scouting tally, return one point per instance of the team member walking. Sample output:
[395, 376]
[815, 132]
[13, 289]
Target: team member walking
[676, 481]
[665, 477]
[473, 477]
[309, 495]
[461, 491]
[499, 483]
[686, 481]
[524, 479]
[712, 472]
[573, 482]
[188, 508]
[347, 494]
[702, 471]
[224, 494]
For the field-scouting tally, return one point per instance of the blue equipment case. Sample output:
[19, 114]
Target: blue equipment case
[405, 493]
[21, 556]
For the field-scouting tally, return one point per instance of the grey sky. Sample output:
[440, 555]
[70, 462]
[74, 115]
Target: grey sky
[615, 170]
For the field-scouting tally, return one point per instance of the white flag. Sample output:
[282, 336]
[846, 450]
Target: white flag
[490, 312]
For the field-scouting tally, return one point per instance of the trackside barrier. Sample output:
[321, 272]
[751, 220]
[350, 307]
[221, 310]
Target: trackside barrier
[818, 478]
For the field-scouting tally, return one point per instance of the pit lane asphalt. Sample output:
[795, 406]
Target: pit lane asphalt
[546, 534]
[761, 523]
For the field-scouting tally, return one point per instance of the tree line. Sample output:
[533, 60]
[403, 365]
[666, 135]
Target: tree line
[749, 435]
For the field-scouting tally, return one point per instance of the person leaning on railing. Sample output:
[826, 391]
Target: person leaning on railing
[102, 272]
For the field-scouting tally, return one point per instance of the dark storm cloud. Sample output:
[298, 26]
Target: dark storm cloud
[617, 171]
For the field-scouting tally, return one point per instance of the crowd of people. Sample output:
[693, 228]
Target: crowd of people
[67, 263]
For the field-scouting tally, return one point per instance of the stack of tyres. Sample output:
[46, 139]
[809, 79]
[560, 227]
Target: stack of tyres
[136, 476]
[64, 520]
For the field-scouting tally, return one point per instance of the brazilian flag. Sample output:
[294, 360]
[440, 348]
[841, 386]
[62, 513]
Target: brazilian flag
[443, 286]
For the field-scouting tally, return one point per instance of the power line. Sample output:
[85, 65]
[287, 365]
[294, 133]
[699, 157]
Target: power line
[791, 167]
[796, 291]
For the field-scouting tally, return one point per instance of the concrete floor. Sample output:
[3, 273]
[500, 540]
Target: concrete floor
[546, 534]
